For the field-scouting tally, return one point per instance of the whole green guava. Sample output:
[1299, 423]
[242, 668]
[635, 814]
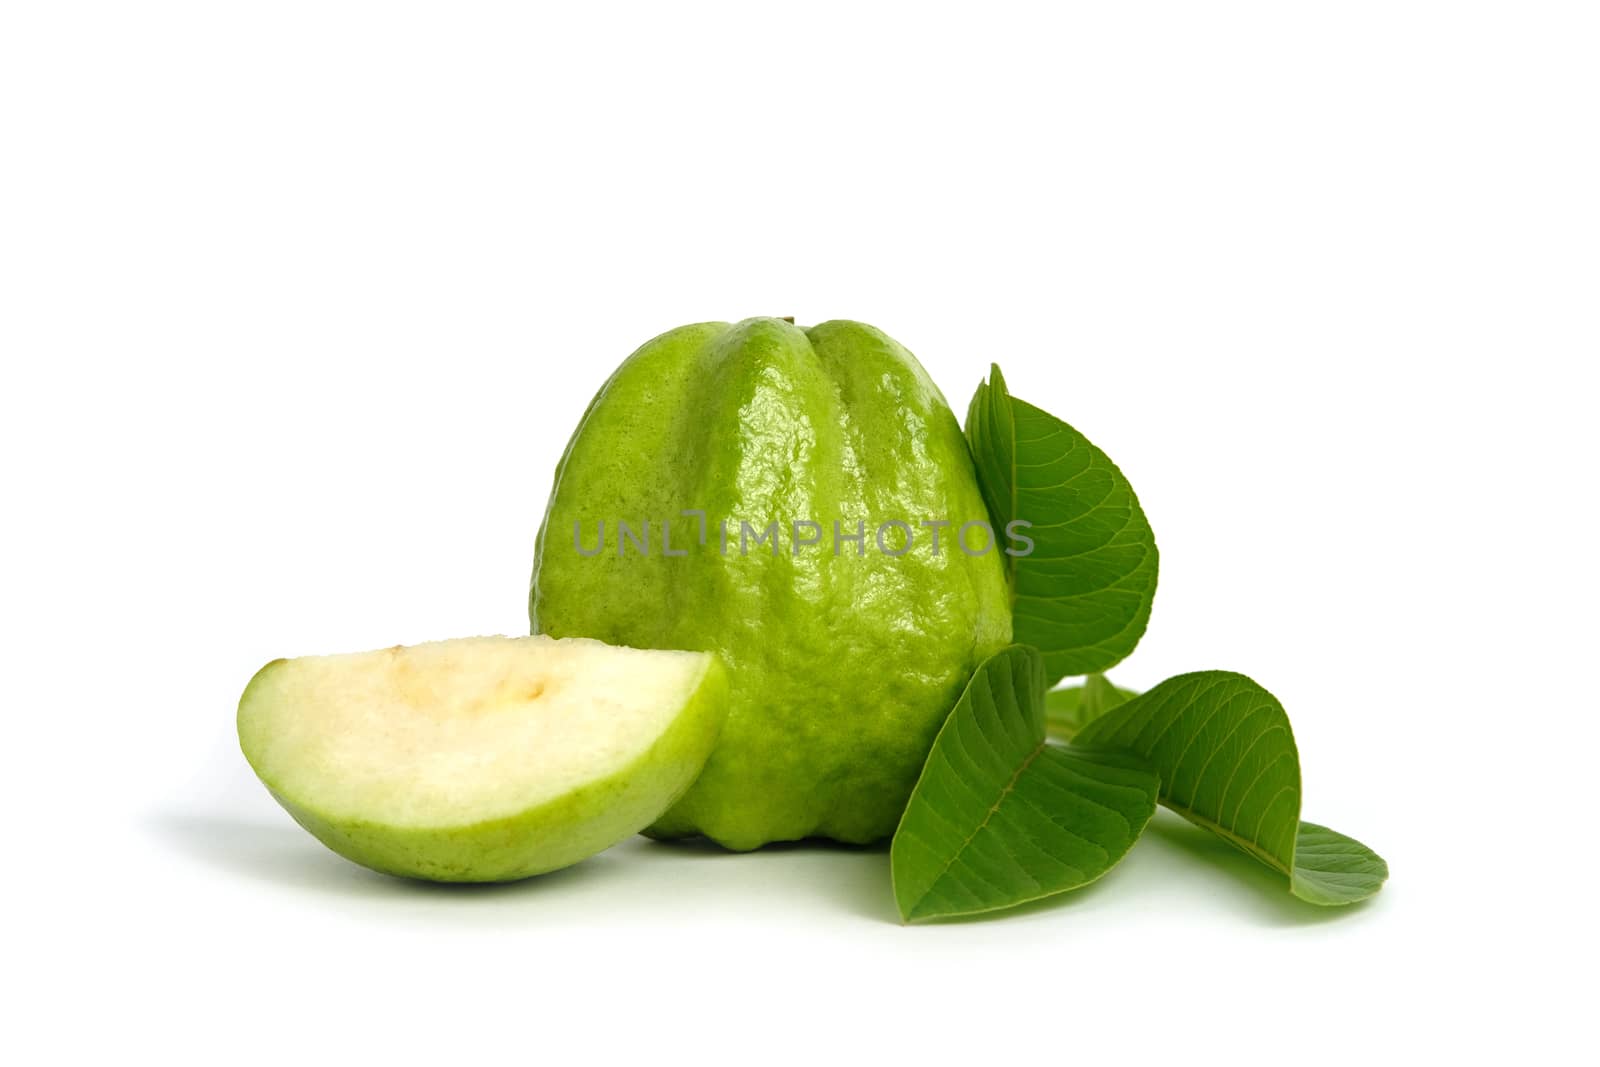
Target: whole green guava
[802, 502]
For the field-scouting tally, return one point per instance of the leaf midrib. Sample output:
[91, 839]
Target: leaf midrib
[1243, 844]
[966, 843]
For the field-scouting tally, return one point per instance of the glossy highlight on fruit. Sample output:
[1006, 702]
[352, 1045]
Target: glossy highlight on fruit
[773, 494]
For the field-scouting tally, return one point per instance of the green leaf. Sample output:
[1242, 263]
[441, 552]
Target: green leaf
[1330, 868]
[1000, 816]
[1227, 761]
[1070, 709]
[1082, 596]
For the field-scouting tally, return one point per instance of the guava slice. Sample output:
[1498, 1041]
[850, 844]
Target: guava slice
[481, 759]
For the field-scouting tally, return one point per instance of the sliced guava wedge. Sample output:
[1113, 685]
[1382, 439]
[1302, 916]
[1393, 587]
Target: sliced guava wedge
[481, 759]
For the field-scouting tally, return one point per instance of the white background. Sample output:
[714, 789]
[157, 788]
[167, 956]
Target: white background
[299, 303]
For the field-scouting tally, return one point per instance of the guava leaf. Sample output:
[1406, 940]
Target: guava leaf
[1332, 869]
[1225, 754]
[1082, 595]
[1070, 709]
[1000, 816]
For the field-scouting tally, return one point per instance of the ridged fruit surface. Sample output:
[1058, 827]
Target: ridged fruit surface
[843, 659]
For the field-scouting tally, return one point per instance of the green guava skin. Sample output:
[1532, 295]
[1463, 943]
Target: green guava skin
[842, 667]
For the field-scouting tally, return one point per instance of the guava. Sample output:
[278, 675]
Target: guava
[481, 759]
[802, 503]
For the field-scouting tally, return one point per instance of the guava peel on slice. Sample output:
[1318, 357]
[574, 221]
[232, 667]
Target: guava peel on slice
[481, 759]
